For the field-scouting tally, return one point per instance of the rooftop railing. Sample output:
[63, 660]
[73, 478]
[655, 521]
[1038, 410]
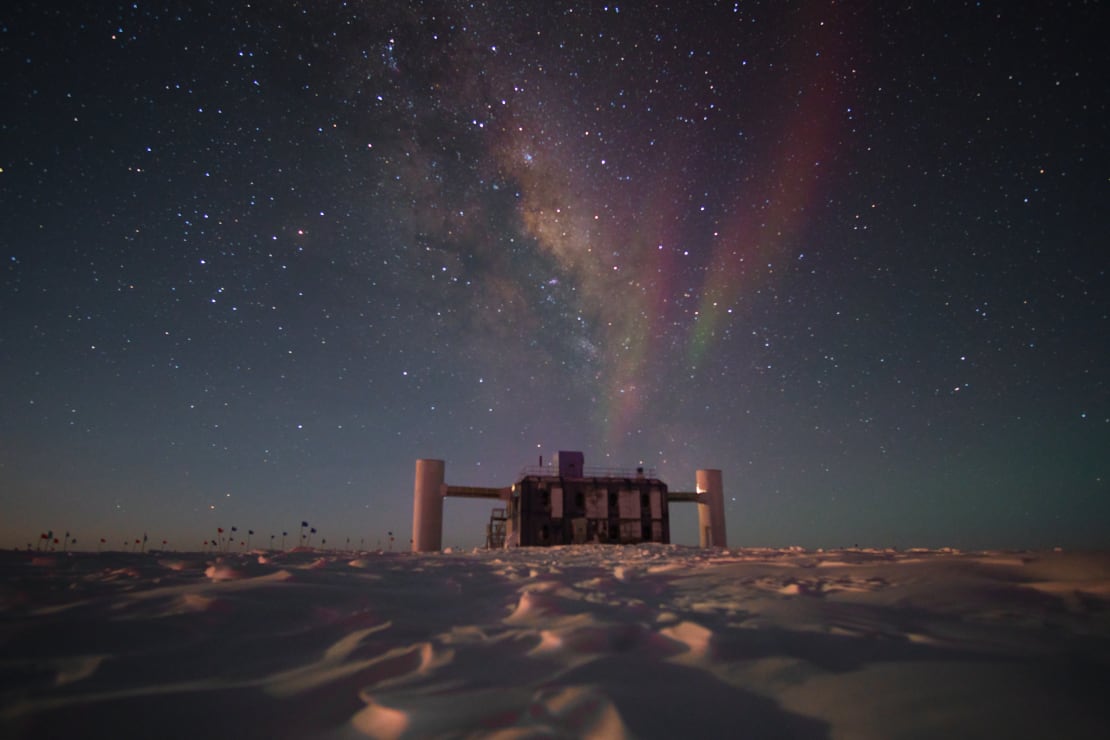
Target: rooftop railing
[589, 472]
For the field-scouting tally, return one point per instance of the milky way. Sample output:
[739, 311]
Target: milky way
[259, 260]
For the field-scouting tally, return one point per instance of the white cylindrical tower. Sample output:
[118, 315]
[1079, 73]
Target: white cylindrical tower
[711, 509]
[427, 506]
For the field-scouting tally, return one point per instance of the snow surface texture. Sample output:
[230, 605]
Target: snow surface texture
[602, 642]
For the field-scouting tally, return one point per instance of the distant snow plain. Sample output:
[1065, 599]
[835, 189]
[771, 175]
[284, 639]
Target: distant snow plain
[649, 641]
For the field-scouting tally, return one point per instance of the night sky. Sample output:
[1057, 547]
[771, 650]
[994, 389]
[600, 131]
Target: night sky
[256, 261]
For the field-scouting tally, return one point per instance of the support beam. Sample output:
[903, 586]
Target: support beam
[711, 509]
[476, 492]
[427, 506]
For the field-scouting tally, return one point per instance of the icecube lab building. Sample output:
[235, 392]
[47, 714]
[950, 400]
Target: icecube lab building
[565, 503]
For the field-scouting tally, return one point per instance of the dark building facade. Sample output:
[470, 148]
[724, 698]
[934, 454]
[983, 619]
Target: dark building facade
[566, 504]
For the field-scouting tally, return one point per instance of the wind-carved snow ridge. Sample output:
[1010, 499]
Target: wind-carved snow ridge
[591, 641]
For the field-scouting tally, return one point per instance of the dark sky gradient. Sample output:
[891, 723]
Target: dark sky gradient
[257, 261]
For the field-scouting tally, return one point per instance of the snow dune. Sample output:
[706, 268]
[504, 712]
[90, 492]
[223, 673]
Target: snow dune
[593, 641]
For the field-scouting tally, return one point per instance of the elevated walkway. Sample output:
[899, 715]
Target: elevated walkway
[475, 492]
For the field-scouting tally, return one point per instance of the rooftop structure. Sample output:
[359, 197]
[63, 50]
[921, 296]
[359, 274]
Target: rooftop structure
[566, 503]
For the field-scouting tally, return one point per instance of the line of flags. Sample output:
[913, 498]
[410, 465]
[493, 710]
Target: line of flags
[48, 540]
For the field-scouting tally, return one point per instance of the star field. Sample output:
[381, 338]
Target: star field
[258, 260]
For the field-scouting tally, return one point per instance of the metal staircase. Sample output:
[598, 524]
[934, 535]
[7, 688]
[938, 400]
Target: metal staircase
[495, 530]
